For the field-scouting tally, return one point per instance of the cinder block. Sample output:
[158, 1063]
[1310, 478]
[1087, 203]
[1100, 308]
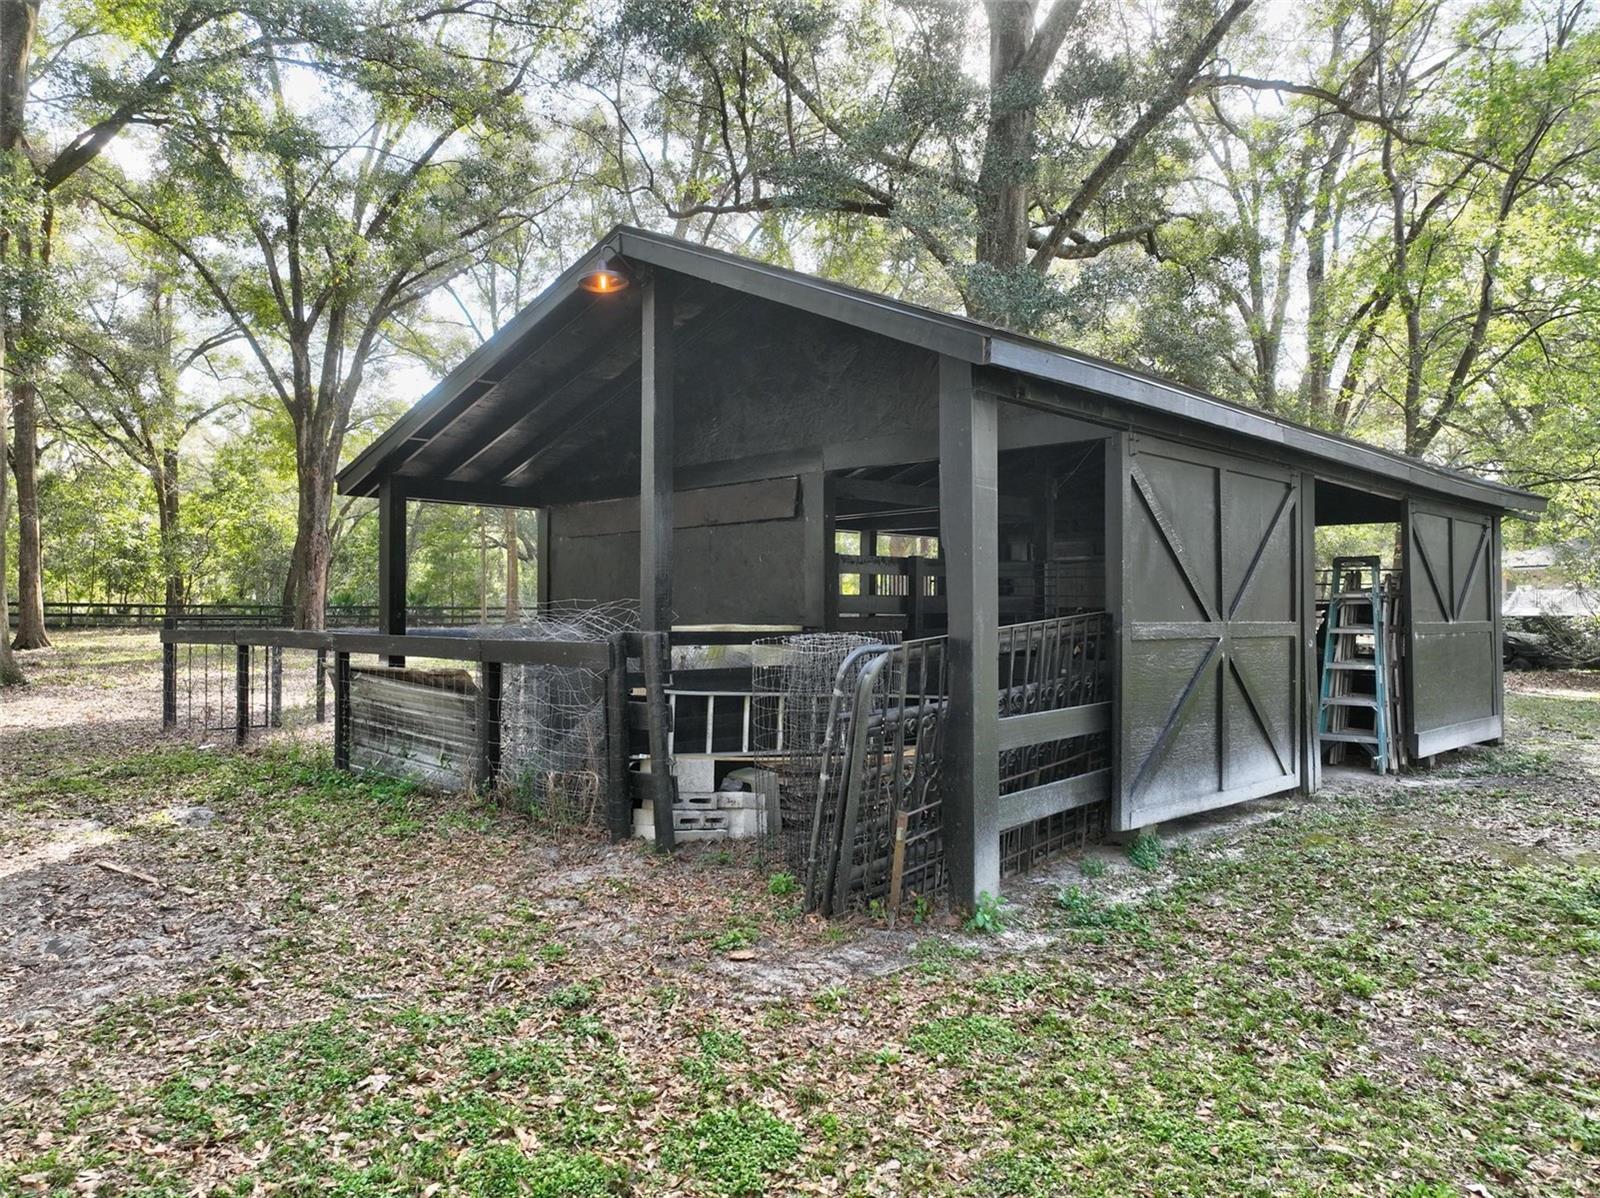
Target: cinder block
[695, 773]
[703, 819]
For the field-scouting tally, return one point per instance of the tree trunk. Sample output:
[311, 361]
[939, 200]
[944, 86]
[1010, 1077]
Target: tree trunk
[1319, 363]
[165, 481]
[19, 23]
[1007, 169]
[513, 579]
[307, 588]
[10, 673]
[30, 560]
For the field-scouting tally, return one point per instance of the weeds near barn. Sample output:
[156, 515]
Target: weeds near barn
[366, 989]
[1145, 851]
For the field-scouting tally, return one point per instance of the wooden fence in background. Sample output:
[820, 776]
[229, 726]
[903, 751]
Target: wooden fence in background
[63, 615]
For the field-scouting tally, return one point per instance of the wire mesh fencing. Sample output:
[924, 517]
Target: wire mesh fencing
[793, 682]
[554, 756]
[534, 732]
[833, 758]
[876, 832]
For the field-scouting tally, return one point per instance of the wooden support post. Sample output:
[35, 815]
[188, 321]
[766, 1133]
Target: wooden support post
[916, 596]
[489, 690]
[821, 578]
[656, 655]
[871, 584]
[1310, 663]
[241, 693]
[1114, 498]
[656, 454]
[1497, 614]
[619, 802]
[322, 686]
[542, 558]
[341, 711]
[392, 562]
[169, 682]
[969, 532]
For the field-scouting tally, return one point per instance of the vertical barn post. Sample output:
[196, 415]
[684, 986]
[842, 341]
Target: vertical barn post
[1497, 614]
[969, 531]
[619, 803]
[542, 555]
[656, 657]
[489, 725]
[655, 457]
[392, 562]
[1306, 613]
[241, 693]
[821, 578]
[1115, 564]
[916, 596]
[656, 454]
[341, 710]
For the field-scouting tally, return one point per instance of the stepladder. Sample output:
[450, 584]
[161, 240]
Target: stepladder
[1355, 708]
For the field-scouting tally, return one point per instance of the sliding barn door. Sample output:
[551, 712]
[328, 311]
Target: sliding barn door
[1452, 596]
[1209, 681]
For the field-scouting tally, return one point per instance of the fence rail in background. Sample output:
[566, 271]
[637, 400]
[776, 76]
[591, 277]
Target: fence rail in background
[64, 615]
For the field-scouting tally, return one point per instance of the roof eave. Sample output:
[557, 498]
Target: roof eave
[928, 330]
[360, 475]
[1143, 391]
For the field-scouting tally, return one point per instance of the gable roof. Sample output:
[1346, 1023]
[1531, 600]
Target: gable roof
[561, 306]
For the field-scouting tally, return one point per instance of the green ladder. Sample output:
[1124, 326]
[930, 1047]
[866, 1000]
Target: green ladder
[1355, 610]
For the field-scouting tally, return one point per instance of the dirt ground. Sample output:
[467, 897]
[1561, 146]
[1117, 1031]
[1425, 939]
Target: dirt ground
[227, 971]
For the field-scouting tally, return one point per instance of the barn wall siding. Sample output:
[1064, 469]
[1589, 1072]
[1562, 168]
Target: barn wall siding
[748, 573]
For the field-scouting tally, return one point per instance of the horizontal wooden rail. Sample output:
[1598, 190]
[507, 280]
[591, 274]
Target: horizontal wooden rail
[932, 567]
[1043, 727]
[1066, 794]
[589, 654]
[932, 604]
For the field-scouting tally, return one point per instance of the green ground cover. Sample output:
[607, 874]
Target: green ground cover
[337, 986]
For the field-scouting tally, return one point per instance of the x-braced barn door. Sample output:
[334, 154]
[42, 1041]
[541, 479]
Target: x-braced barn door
[1452, 594]
[1210, 672]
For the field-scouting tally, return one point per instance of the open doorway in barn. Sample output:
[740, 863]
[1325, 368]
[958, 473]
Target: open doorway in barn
[1358, 556]
[1047, 624]
[1050, 529]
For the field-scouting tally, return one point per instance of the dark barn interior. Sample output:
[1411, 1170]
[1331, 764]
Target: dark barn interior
[1094, 592]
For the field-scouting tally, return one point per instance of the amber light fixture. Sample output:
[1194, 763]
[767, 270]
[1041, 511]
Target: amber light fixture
[605, 278]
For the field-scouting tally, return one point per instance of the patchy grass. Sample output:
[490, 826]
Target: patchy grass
[1145, 851]
[733, 1151]
[1394, 990]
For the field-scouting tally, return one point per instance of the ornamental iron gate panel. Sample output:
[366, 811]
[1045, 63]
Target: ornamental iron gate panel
[877, 827]
[1452, 585]
[1211, 701]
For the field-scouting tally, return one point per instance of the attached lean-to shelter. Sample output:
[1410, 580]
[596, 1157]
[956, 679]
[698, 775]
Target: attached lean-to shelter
[738, 446]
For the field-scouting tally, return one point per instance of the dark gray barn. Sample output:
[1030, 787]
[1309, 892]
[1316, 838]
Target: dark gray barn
[700, 432]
